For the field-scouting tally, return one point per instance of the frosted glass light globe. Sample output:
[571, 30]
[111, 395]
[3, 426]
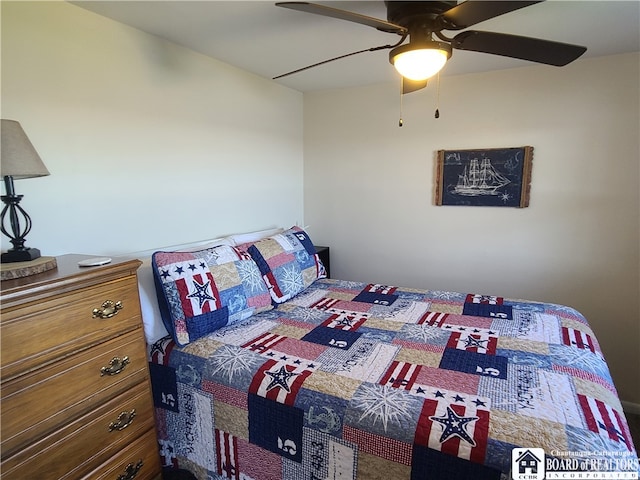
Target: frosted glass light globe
[420, 64]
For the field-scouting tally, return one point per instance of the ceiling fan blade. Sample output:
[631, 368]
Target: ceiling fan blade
[471, 12]
[409, 86]
[344, 15]
[372, 49]
[515, 46]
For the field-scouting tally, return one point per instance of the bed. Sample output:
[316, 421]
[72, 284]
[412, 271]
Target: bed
[272, 371]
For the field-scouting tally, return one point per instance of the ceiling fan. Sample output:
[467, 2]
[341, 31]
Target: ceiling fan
[423, 56]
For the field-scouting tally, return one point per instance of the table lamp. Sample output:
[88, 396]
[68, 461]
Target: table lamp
[19, 160]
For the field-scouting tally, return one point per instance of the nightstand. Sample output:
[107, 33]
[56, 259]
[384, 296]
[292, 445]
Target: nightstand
[323, 253]
[76, 394]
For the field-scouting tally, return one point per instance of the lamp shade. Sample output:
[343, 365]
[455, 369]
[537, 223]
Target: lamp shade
[420, 61]
[19, 158]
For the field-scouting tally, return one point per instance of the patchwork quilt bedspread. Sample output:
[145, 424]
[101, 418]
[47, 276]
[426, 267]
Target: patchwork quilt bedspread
[349, 380]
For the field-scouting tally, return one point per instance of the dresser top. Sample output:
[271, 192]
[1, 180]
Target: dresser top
[65, 277]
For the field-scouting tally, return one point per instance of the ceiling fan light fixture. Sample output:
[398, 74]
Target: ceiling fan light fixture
[420, 61]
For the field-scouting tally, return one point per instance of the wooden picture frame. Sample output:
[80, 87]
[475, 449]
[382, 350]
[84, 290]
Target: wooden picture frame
[494, 177]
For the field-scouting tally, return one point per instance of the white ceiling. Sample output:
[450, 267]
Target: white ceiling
[267, 40]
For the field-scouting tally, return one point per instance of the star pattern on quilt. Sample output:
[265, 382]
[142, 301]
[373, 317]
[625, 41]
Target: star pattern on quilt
[157, 348]
[464, 329]
[167, 452]
[425, 394]
[479, 403]
[454, 425]
[201, 293]
[280, 378]
[345, 322]
[295, 361]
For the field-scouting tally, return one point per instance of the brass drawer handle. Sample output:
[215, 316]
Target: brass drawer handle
[116, 365]
[124, 420]
[131, 471]
[108, 310]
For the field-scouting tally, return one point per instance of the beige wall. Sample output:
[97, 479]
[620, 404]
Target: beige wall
[369, 191]
[148, 144]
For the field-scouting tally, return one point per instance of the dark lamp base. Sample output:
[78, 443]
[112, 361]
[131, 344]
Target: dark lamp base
[24, 255]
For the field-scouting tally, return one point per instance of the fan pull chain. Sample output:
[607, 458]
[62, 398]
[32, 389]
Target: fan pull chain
[437, 114]
[400, 121]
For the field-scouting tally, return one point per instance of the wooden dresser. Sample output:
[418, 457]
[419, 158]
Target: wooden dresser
[76, 396]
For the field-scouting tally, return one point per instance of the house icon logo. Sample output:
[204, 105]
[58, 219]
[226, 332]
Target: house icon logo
[527, 464]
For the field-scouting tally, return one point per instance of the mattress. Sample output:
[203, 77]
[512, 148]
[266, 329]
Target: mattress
[353, 380]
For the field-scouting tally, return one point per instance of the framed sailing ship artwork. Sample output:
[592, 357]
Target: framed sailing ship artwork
[495, 177]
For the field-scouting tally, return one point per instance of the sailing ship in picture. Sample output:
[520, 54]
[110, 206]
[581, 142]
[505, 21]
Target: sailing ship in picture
[480, 179]
[492, 177]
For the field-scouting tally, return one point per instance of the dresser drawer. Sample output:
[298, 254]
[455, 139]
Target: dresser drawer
[141, 457]
[40, 332]
[81, 446]
[38, 403]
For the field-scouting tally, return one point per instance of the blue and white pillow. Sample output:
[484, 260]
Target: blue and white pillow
[288, 263]
[202, 291]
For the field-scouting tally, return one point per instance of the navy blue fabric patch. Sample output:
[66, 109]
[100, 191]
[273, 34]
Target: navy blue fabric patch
[376, 298]
[163, 305]
[472, 362]
[276, 427]
[204, 324]
[428, 463]
[164, 387]
[487, 310]
[306, 242]
[332, 337]
[263, 266]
